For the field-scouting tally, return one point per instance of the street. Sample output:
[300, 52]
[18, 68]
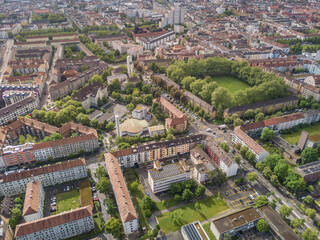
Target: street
[6, 57]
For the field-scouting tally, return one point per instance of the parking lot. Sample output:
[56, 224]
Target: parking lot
[240, 195]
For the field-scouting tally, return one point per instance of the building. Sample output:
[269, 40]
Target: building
[310, 171]
[21, 108]
[276, 104]
[162, 176]
[175, 16]
[194, 231]
[306, 140]
[16, 183]
[290, 151]
[156, 130]
[33, 202]
[177, 120]
[133, 127]
[140, 112]
[90, 94]
[149, 43]
[240, 137]
[221, 158]
[59, 226]
[129, 65]
[153, 151]
[203, 164]
[128, 214]
[235, 222]
[196, 101]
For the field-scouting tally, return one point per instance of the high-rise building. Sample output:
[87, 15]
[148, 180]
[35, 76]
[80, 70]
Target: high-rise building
[173, 17]
[129, 65]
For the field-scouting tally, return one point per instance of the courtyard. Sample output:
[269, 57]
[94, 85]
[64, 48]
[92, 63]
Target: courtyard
[67, 201]
[231, 83]
[293, 138]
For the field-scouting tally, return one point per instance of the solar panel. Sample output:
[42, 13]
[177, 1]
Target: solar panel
[192, 232]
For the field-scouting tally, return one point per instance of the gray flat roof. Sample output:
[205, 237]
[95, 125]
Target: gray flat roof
[167, 171]
[308, 168]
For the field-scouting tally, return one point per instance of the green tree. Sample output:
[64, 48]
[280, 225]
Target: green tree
[308, 200]
[187, 195]
[311, 213]
[310, 234]
[260, 166]
[309, 155]
[56, 136]
[94, 123]
[267, 172]
[262, 225]
[104, 185]
[262, 200]
[22, 139]
[237, 159]
[244, 150]
[252, 176]
[200, 190]
[259, 117]
[225, 146]
[285, 211]
[281, 170]
[274, 180]
[148, 203]
[134, 187]
[221, 98]
[296, 222]
[266, 134]
[100, 172]
[114, 227]
[217, 177]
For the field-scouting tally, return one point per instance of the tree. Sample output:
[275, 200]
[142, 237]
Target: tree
[308, 200]
[110, 126]
[262, 200]
[238, 122]
[148, 203]
[83, 119]
[296, 222]
[260, 166]
[217, 177]
[104, 185]
[262, 225]
[311, 213]
[16, 213]
[285, 211]
[114, 227]
[100, 172]
[56, 136]
[309, 155]
[266, 134]
[200, 190]
[244, 150]
[22, 139]
[252, 176]
[259, 117]
[267, 172]
[221, 98]
[310, 234]
[225, 146]
[274, 180]
[17, 200]
[134, 186]
[237, 159]
[227, 237]
[187, 195]
[94, 123]
[281, 170]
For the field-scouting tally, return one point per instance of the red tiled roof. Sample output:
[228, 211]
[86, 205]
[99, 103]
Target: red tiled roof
[43, 170]
[32, 198]
[124, 202]
[53, 221]
[248, 141]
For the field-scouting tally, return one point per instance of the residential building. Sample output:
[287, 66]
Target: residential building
[153, 151]
[140, 112]
[177, 120]
[240, 137]
[156, 130]
[128, 214]
[310, 171]
[196, 101]
[90, 94]
[203, 164]
[16, 183]
[221, 158]
[162, 176]
[33, 202]
[151, 43]
[194, 231]
[59, 226]
[235, 222]
[290, 151]
[175, 16]
[21, 108]
[306, 140]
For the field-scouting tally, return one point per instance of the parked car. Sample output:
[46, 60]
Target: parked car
[54, 204]
[148, 194]
[68, 188]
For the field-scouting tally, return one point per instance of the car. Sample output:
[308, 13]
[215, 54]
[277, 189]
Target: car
[68, 188]
[244, 187]
[235, 190]
[208, 130]
[148, 194]
[214, 133]
[226, 193]
[241, 201]
[251, 197]
[53, 209]
[54, 204]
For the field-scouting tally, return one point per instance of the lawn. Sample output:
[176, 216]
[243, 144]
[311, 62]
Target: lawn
[67, 201]
[231, 83]
[209, 207]
[293, 138]
[206, 227]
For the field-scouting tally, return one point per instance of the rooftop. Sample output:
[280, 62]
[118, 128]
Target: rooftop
[195, 231]
[133, 125]
[308, 168]
[32, 198]
[168, 171]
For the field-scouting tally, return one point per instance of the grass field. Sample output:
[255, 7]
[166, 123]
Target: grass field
[209, 207]
[293, 138]
[206, 227]
[67, 201]
[231, 83]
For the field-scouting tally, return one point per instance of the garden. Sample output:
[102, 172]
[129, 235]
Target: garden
[293, 136]
[67, 201]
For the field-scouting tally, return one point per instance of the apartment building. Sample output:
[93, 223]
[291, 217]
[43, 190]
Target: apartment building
[175, 16]
[128, 214]
[140, 112]
[177, 120]
[310, 171]
[162, 176]
[151, 43]
[157, 150]
[59, 226]
[33, 202]
[90, 94]
[21, 108]
[221, 158]
[16, 183]
[203, 164]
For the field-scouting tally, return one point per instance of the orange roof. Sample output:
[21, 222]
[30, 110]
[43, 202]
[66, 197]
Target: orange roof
[249, 141]
[170, 107]
[124, 201]
[53, 221]
[32, 198]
